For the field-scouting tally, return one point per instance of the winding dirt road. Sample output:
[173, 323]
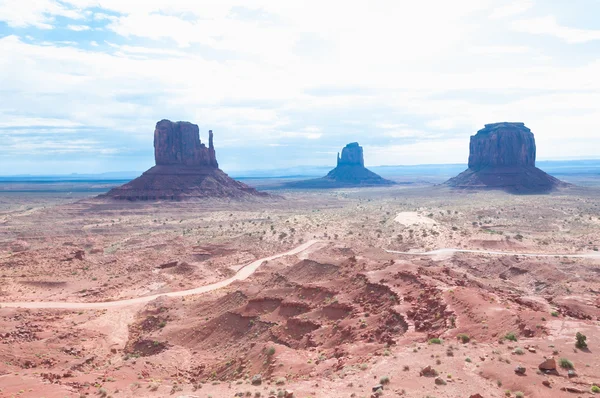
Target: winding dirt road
[496, 253]
[248, 270]
[242, 274]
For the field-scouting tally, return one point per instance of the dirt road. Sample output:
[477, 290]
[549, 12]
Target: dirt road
[249, 269]
[242, 274]
[496, 253]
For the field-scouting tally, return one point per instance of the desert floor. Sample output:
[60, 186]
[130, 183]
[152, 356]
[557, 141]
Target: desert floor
[323, 293]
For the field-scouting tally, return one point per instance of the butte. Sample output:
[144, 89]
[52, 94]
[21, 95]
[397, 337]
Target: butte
[185, 169]
[349, 172]
[502, 156]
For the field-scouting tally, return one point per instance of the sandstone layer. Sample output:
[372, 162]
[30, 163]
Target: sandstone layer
[185, 168]
[502, 156]
[350, 172]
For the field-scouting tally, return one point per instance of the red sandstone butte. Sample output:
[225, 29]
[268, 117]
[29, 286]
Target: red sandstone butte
[349, 172]
[502, 156]
[185, 168]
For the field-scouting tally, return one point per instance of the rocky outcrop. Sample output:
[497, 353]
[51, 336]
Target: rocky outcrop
[179, 143]
[502, 145]
[185, 168]
[352, 155]
[502, 156]
[549, 364]
[350, 172]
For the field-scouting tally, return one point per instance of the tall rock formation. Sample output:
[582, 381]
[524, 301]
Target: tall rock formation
[502, 145]
[350, 172]
[352, 155]
[179, 143]
[185, 168]
[502, 156]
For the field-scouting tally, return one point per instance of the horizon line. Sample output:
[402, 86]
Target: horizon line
[279, 168]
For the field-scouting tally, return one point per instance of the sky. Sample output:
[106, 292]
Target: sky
[289, 83]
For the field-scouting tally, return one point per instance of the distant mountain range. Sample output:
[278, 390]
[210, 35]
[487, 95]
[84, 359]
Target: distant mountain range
[433, 171]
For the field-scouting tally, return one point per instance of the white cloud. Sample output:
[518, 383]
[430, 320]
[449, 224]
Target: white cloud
[38, 13]
[549, 26]
[500, 50]
[402, 72]
[391, 125]
[300, 134]
[429, 152]
[16, 121]
[511, 9]
[78, 28]
[409, 133]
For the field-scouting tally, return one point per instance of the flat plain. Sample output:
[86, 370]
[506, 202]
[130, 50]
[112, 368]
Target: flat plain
[341, 314]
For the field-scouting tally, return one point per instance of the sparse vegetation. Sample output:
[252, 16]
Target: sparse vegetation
[510, 336]
[464, 338]
[580, 341]
[565, 363]
[518, 351]
[343, 292]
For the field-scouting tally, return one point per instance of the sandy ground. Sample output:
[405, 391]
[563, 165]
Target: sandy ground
[243, 273]
[408, 218]
[303, 293]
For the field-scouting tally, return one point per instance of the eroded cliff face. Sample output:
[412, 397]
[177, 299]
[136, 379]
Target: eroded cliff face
[502, 156]
[352, 154]
[502, 145]
[179, 143]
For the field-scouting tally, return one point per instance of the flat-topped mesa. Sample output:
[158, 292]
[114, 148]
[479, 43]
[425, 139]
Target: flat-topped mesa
[502, 145]
[502, 156]
[352, 155]
[178, 143]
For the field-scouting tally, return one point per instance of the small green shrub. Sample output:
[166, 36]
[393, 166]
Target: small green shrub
[384, 380]
[595, 389]
[565, 363]
[581, 341]
[435, 341]
[464, 338]
[271, 351]
[510, 336]
[554, 313]
[519, 351]
[519, 394]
